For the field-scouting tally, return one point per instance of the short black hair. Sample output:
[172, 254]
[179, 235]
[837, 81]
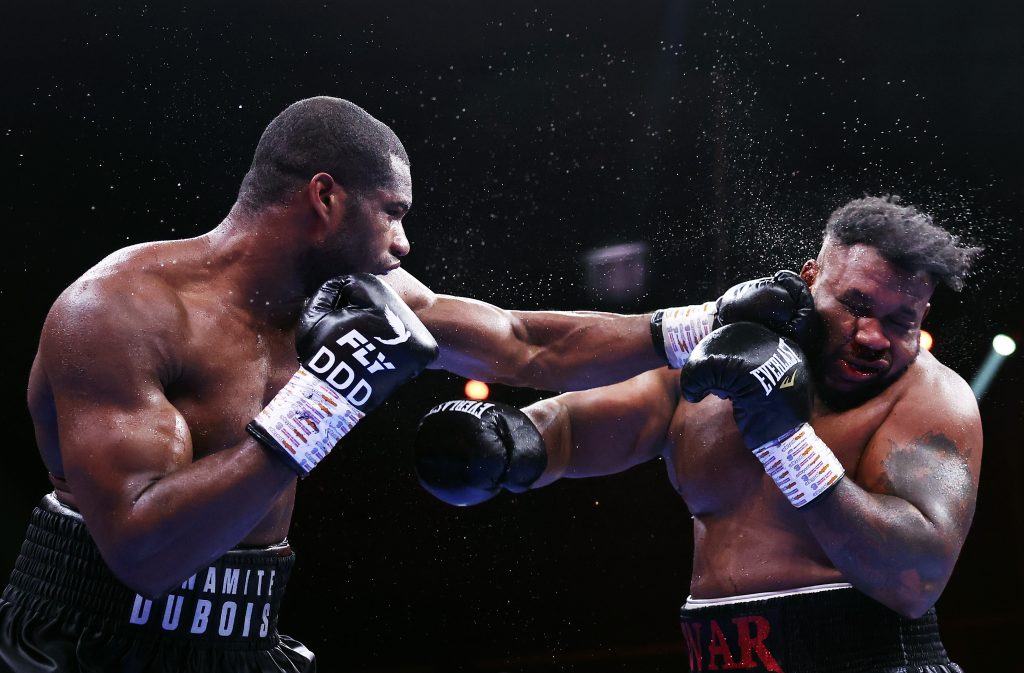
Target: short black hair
[903, 235]
[320, 134]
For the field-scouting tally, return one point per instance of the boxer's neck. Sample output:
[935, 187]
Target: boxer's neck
[261, 258]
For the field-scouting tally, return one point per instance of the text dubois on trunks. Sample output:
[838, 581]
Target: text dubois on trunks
[357, 342]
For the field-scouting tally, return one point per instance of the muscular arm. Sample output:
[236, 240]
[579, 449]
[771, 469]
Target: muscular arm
[549, 350]
[155, 515]
[606, 430]
[896, 530]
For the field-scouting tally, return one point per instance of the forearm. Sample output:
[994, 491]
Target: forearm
[606, 430]
[182, 521]
[547, 350]
[584, 350]
[563, 351]
[883, 545]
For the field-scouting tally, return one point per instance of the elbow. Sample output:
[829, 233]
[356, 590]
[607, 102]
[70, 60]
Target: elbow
[152, 590]
[141, 575]
[915, 595]
[145, 585]
[911, 607]
[913, 586]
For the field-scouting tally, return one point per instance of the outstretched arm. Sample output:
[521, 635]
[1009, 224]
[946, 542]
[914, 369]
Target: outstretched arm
[549, 350]
[562, 350]
[896, 529]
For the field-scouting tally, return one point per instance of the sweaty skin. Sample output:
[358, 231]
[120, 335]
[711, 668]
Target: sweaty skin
[547, 350]
[151, 364]
[911, 446]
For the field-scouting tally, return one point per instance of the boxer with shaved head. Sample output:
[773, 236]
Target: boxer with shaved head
[181, 388]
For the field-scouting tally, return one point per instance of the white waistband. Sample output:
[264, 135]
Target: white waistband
[57, 506]
[694, 603]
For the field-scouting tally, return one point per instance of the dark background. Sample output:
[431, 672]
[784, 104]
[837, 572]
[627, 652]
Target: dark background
[720, 134]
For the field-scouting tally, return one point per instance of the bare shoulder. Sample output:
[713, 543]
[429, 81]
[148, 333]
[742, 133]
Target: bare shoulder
[120, 286]
[928, 449]
[938, 395]
[122, 306]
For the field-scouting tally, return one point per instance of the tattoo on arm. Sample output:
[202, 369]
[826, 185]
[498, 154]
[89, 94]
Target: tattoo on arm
[897, 535]
[934, 474]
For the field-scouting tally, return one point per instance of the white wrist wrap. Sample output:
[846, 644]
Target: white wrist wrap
[308, 417]
[801, 464]
[683, 327]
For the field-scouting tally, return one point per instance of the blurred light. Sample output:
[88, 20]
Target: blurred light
[477, 390]
[926, 340]
[617, 272]
[1003, 345]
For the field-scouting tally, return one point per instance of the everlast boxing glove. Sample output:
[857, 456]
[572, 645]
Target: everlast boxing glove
[767, 378]
[357, 342]
[781, 303]
[466, 451]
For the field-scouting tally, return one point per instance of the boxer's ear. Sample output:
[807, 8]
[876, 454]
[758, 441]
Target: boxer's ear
[809, 272]
[327, 199]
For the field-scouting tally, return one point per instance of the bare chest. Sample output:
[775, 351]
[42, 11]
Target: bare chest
[227, 372]
[715, 472]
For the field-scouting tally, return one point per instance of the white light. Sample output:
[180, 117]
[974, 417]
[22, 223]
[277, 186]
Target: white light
[1003, 345]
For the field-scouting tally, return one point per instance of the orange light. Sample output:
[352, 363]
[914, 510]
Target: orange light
[926, 340]
[477, 390]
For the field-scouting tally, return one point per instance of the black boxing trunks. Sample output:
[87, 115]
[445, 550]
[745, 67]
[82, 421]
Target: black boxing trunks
[829, 628]
[64, 611]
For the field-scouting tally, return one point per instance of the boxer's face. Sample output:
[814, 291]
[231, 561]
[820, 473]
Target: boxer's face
[872, 312]
[371, 237]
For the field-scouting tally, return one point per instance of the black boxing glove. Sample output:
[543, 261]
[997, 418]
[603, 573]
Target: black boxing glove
[467, 451]
[781, 302]
[357, 341]
[768, 380]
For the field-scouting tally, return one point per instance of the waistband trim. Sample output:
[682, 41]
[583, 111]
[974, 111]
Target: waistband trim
[819, 629]
[697, 603]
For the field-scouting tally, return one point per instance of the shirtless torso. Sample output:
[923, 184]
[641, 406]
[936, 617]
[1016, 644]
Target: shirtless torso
[160, 355]
[911, 449]
[172, 381]
[747, 537]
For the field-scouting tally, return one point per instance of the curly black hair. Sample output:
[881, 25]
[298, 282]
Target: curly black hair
[903, 235]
